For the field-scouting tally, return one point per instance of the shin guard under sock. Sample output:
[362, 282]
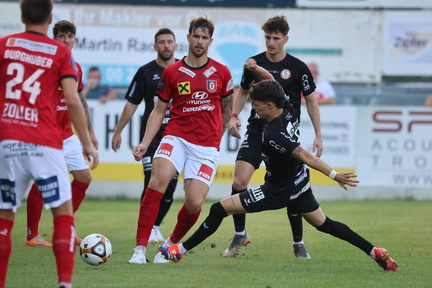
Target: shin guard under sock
[296, 226]
[208, 227]
[343, 232]
[149, 210]
[239, 219]
[185, 221]
[64, 247]
[78, 193]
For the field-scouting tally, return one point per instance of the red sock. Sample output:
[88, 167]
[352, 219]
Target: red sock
[185, 221]
[34, 211]
[148, 213]
[78, 193]
[64, 247]
[5, 248]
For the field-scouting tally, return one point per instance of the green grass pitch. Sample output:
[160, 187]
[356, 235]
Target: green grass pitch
[403, 227]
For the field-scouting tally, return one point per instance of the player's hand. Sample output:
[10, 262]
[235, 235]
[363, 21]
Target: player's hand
[139, 151]
[250, 64]
[116, 142]
[232, 126]
[346, 179]
[318, 147]
[91, 155]
[94, 140]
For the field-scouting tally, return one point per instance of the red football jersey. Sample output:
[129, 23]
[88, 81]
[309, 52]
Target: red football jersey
[31, 67]
[63, 117]
[196, 94]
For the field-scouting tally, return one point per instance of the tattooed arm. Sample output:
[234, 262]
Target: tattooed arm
[343, 178]
[89, 124]
[227, 104]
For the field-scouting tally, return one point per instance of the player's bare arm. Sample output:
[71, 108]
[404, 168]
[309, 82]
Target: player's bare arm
[314, 115]
[239, 102]
[127, 113]
[227, 105]
[78, 119]
[343, 178]
[262, 73]
[93, 137]
[153, 125]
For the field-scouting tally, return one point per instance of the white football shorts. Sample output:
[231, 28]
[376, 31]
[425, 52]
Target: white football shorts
[21, 163]
[73, 154]
[199, 162]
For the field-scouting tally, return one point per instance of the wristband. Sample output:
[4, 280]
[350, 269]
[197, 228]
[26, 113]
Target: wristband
[234, 115]
[332, 174]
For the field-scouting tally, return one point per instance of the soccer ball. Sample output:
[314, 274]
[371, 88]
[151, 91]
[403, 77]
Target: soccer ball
[95, 249]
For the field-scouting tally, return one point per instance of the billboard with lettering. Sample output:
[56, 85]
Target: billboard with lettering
[395, 146]
[119, 38]
[407, 43]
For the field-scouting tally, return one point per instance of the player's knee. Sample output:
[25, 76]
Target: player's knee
[327, 226]
[193, 206]
[239, 184]
[218, 211]
[83, 176]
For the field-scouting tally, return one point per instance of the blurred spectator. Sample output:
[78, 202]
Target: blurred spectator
[94, 90]
[324, 92]
[428, 101]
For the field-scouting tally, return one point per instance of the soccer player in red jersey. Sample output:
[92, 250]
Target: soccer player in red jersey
[199, 91]
[65, 32]
[142, 88]
[32, 66]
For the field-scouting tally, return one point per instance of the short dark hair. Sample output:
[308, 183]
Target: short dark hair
[93, 68]
[268, 91]
[276, 24]
[202, 22]
[36, 11]
[163, 31]
[65, 27]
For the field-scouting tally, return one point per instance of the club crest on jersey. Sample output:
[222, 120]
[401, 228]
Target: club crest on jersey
[211, 86]
[285, 74]
[165, 149]
[187, 71]
[184, 88]
[209, 71]
[205, 172]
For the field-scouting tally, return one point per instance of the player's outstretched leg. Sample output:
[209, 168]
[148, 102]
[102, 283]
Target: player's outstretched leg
[342, 231]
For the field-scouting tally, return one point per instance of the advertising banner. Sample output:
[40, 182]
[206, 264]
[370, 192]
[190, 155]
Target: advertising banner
[105, 118]
[407, 41]
[10, 19]
[119, 39]
[338, 129]
[395, 147]
[415, 4]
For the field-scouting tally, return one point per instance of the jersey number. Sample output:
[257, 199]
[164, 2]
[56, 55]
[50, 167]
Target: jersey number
[30, 85]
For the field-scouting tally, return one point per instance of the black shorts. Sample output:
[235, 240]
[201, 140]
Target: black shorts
[147, 159]
[250, 149]
[258, 199]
